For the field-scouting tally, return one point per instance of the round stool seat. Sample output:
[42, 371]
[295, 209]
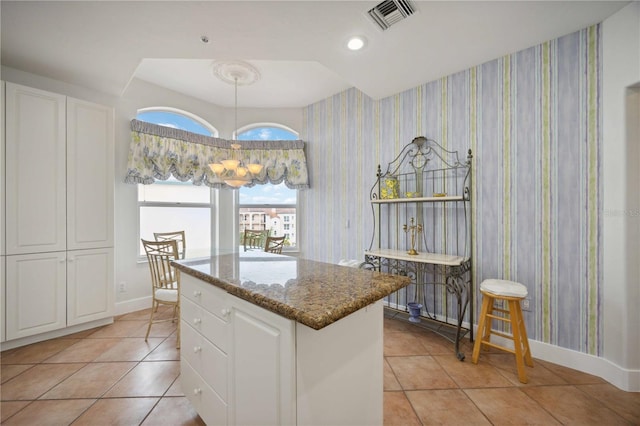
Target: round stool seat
[504, 288]
[508, 294]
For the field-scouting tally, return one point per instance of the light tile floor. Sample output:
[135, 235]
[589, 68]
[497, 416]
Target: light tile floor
[110, 375]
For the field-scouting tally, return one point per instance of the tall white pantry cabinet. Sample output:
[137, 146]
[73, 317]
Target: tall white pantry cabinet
[58, 239]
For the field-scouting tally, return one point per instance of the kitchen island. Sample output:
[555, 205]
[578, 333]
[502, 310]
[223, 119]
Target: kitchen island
[273, 339]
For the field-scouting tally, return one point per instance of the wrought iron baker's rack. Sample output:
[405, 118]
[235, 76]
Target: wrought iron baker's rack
[429, 185]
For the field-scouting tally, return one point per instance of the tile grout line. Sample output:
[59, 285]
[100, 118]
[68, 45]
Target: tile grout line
[160, 398]
[96, 399]
[463, 391]
[567, 377]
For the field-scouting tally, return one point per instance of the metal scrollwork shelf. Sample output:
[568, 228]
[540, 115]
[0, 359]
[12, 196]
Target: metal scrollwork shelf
[421, 206]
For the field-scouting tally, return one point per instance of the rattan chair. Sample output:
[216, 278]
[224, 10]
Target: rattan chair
[178, 236]
[274, 244]
[165, 280]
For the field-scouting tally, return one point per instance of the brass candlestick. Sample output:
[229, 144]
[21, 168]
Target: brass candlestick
[413, 229]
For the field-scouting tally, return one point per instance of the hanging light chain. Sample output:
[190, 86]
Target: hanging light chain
[235, 129]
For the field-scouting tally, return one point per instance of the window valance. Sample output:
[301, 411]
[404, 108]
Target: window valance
[157, 152]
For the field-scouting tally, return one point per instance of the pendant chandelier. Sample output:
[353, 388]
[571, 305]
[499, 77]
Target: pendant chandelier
[233, 171]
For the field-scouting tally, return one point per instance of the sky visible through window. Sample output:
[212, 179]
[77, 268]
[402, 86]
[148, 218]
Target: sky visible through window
[258, 194]
[177, 121]
[267, 194]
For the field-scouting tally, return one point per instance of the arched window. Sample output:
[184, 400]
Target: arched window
[170, 205]
[172, 117]
[269, 207]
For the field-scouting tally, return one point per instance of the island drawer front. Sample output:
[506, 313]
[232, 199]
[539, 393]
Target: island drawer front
[205, 323]
[211, 408]
[209, 361]
[210, 297]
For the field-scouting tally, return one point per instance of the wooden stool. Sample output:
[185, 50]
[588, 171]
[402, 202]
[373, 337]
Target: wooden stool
[512, 293]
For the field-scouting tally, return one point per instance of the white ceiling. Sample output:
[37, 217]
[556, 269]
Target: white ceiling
[298, 46]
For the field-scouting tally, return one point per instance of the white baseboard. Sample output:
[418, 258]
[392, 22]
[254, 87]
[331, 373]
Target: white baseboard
[625, 379]
[133, 305]
[121, 309]
[23, 341]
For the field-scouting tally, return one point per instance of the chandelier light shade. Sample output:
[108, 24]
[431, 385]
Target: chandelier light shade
[232, 171]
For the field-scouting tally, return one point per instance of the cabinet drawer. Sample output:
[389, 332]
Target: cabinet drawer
[208, 296]
[204, 399]
[205, 323]
[209, 361]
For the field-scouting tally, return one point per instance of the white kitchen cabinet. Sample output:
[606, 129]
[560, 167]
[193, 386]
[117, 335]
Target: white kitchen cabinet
[35, 170]
[90, 290]
[237, 359]
[3, 294]
[204, 344]
[244, 365]
[207, 403]
[49, 291]
[36, 293]
[262, 370]
[59, 175]
[2, 180]
[90, 169]
[206, 358]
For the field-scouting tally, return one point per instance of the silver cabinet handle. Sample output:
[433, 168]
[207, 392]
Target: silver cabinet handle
[197, 321]
[226, 312]
[197, 293]
[197, 391]
[196, 349]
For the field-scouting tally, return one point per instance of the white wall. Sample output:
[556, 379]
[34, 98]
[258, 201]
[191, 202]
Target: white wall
[621, 204]
[138, 95]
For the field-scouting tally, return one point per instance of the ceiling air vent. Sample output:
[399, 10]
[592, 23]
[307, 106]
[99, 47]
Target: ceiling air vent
[390, 12]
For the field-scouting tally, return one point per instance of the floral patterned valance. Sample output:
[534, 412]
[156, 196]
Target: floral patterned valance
[157, 152]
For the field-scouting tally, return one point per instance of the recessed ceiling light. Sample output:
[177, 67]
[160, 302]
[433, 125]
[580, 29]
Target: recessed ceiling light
[356, 43]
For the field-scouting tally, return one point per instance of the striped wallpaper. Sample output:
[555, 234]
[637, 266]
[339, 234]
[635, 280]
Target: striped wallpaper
[532, 119]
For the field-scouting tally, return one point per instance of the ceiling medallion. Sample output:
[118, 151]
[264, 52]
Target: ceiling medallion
[234, 71]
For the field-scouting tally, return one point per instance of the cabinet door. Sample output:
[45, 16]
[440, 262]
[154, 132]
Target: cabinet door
[90, 287]
[90, 166]
[3, 295]
[35, 170]
[262, 367]
[36, 294]
[2, 180]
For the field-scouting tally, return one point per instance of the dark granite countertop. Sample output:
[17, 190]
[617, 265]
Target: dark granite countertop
[313, 293]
